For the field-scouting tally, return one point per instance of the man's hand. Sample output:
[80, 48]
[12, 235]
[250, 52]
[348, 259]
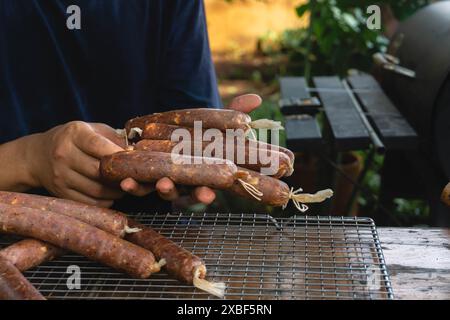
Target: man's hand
[65, 161]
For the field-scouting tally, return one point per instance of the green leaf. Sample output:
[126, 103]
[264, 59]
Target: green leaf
[302, 9]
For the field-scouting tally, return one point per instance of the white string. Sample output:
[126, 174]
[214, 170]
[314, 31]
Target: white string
[311, 198]
[123, 133]
[266, 124]
[129, 230]
[214, 288]
[252, 190]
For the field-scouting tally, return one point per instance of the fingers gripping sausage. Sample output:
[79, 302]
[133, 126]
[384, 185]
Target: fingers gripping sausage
[29, 253]
[243, 155]
[105, 219]
[221, 119]
[13, 285]
[180, 263]
[277, 193]
[80, 237]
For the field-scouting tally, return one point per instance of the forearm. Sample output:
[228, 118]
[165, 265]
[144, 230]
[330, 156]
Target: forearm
[16, 159]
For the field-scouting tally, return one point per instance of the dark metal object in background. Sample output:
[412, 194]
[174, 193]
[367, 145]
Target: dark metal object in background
[422, 44]
[257, 258]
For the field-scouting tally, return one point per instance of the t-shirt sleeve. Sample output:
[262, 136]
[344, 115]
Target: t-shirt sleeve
[188, 75]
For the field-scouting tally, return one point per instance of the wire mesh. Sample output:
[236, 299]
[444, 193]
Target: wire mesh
[257, 256]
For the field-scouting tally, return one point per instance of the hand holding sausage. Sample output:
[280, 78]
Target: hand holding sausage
[65, 161]
[166, 188]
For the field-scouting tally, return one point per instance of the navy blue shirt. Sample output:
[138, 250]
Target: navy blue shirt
[131, 57]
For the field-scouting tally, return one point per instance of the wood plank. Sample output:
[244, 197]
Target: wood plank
[349, 132]
[393, 128]
[294, 87]
[295, 98]
[418, 261]
[303, 133]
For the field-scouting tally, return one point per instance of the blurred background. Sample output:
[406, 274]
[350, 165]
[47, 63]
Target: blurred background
[257, 42]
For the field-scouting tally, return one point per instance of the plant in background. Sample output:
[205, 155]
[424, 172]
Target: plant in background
[337, 39]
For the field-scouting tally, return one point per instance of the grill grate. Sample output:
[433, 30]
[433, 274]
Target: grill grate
[257, 256]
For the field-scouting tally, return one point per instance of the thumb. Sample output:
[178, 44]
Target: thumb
[94, 144]
[245, 103]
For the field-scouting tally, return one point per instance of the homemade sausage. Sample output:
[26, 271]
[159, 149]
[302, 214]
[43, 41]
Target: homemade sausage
[268, 146]
[29, 253]
[13, 285]
[242, 155]
[162, 131]
[221, 119]
[105, 219]
[147, 166]
[276, 193]
[72, 234]
[180, 263]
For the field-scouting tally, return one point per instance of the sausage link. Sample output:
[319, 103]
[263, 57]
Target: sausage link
[161, 131]
[221, 119]
[29, 253]
[276, 193]
[146, 166]
[13, 285]
[180, 263]
[74, 235]
[108, 220]
[242, 155]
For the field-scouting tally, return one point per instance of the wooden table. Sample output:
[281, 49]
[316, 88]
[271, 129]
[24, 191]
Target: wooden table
[418, 261]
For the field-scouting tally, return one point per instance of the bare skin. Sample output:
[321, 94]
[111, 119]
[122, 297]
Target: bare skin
[65, 161]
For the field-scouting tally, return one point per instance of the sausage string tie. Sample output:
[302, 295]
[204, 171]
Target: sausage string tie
[122, 133]
[250, 133]
[266, 124]
[129, 230]
[251, 189]
[214, 288]
[299, 199]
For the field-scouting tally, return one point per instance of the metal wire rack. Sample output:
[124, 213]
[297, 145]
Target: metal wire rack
[257, 256]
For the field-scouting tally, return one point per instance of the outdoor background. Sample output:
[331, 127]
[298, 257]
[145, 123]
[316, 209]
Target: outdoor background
[254, 42]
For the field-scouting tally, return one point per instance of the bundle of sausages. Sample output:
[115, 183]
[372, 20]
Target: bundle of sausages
[103, 235]
[154, 155]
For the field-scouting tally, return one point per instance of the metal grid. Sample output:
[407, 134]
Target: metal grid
[257, 256]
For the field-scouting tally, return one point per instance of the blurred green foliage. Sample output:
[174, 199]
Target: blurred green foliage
[337, 38]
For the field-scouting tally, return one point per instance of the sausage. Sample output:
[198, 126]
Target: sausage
[74, 235]
[268, 146]
[105, 219]
[13, 285]
[147, 166]
[180, 263]
[240, 155]
[277, 193]
[29, 253]
[221, 119]
[161, 131]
